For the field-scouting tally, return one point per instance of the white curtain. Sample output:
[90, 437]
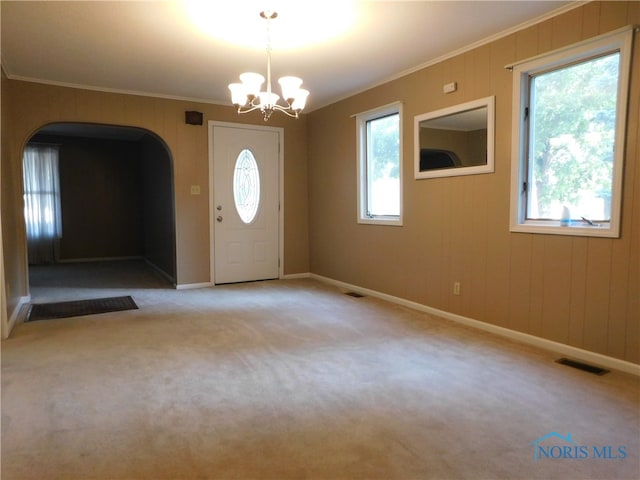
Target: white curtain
[42, 209]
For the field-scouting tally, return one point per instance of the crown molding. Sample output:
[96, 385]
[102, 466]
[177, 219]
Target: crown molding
[113, 90]
[466, 48]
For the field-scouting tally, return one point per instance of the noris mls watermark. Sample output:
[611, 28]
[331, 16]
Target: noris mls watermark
[554, 446]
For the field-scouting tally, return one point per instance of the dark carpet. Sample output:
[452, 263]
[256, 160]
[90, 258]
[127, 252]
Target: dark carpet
[77, 308]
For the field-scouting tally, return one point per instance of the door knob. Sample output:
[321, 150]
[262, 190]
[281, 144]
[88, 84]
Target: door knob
[219, 218]
[219, 207]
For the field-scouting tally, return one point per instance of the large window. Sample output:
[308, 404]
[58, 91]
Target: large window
[570, 121]
[380, 166]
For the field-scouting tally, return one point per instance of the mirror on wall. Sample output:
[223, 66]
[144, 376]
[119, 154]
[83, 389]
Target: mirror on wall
[456, 140]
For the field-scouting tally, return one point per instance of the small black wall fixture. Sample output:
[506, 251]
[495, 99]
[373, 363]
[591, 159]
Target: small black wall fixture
[191, 117]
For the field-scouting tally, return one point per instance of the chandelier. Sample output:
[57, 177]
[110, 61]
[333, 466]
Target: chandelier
[247, 97]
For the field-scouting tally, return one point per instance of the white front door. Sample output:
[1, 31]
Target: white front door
[245, 203]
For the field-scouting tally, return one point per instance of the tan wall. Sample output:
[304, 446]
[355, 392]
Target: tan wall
[13, 235]
[100, 196]
[575, 290]
[31, 105]
[158, 215]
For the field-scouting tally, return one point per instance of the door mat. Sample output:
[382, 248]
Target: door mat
[77, 308]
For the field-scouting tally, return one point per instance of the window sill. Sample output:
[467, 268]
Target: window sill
[578, 229]
[389, 221]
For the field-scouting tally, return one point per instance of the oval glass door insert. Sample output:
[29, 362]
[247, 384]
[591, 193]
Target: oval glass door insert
[246, 186]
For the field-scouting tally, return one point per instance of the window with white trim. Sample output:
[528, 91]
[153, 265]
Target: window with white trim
[379, 134]
[42, 207]
[569, 121]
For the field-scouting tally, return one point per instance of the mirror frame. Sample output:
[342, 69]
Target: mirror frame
[489, 103]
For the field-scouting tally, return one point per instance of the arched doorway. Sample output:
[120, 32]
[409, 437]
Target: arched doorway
[116, 198]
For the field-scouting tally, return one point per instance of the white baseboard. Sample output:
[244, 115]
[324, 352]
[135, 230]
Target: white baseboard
[576, 353]
[191, 286]
[295, 276]
[13, 318]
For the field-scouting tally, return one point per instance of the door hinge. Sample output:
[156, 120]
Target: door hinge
[525, 187]
[526, 113]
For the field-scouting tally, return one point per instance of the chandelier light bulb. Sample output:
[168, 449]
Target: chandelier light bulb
[253, 82]
[268, 100]
[238, 94]
[290, 87]
[300, 100]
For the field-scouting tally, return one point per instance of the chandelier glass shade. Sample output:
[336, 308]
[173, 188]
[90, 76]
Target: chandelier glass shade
[247, 96]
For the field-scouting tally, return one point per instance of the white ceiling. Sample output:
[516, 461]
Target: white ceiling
[155, 48]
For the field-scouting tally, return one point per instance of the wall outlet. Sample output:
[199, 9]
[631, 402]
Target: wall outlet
[456, 288]
[195, 189]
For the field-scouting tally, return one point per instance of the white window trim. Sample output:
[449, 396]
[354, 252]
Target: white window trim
[622, 40]
[361, 122]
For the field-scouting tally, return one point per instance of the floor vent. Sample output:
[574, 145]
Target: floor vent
[354, 294]
[582, 366]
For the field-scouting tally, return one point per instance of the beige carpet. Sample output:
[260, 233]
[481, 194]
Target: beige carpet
[289, 379]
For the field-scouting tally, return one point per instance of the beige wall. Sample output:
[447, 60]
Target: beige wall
[28, 106]
[158, 212]
[579, 291]
[100, 197]
[13, 236]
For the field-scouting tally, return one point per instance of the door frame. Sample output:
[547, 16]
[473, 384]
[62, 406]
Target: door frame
[212, 222]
